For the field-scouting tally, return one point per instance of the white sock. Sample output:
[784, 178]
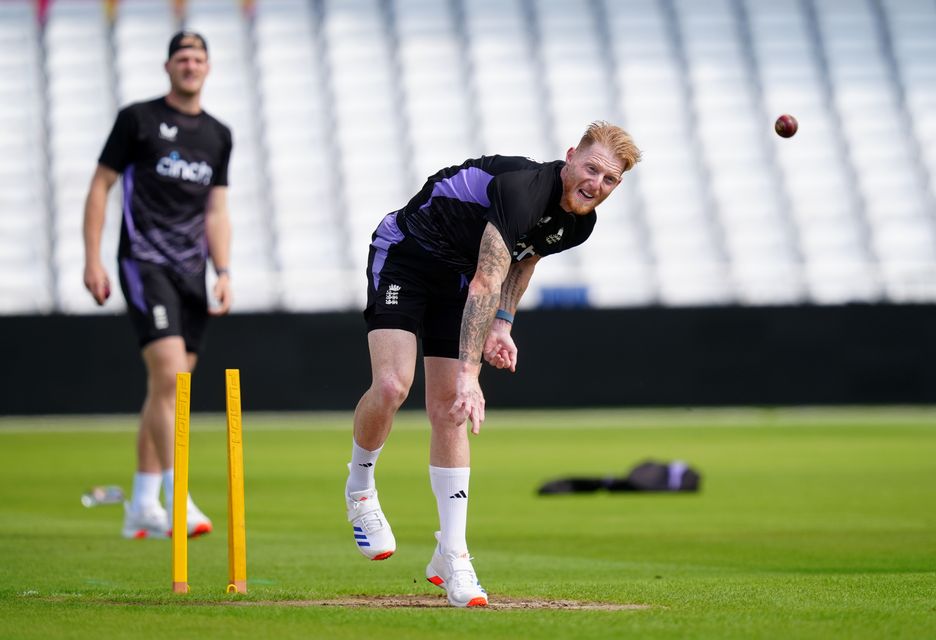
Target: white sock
[450, 486]
[145, 490]
[168, 485]
[361, 469]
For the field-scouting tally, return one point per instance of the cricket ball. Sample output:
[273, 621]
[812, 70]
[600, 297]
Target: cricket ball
[786, 125]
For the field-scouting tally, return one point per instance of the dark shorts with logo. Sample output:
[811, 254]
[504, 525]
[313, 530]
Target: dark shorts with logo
[409, 289]
[162, 303]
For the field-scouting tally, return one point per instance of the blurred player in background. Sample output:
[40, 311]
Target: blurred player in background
[174, 160]
[450, 268]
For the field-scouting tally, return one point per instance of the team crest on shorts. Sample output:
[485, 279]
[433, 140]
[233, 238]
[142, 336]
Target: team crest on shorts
[160, 317]
[393, 294]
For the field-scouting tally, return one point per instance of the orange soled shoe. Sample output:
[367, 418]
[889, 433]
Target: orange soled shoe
[455, 573]
[147, 522]
[372, 532]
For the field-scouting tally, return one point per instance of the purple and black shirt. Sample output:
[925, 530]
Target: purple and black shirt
[518, 196]
[170, 161]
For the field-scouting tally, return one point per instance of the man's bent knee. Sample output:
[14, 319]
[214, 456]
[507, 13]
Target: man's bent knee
[162, 383]
[390, 391]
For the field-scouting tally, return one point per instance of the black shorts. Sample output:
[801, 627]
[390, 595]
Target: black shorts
[409, 289]
[161, 302]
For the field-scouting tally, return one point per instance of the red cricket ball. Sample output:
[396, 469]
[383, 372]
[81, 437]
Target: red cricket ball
[786, 125]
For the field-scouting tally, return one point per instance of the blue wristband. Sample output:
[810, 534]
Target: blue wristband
[504, 315]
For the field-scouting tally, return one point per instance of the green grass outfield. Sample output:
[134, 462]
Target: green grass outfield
[811, 524]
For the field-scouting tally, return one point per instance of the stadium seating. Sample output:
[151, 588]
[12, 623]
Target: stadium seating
[81, 106]
[341, 110]
[25, 244]
[295, 114]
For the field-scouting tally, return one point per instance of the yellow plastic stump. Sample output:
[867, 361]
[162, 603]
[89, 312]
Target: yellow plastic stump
[237, 538]
[180, 488]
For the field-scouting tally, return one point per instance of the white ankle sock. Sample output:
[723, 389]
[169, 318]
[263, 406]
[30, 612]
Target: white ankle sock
[145, 490]
[168, 485]
[450, 486]
[361, 469]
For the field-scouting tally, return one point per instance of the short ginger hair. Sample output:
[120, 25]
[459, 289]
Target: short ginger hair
[615, 139]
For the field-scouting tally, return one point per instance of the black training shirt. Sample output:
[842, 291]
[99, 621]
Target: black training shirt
[518, 196]
[170, 161]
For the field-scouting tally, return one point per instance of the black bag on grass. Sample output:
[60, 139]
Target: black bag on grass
[654, 476]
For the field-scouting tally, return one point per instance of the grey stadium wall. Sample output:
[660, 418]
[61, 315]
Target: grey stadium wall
[858, 354]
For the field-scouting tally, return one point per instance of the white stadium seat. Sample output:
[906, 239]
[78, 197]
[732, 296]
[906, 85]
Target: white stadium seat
[319, 94]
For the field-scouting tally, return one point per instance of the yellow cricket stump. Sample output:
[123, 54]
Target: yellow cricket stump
[180, 487]
[237, 538]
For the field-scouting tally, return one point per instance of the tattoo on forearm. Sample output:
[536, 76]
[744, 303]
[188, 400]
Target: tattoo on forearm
[515, 284]
[493, 263]
[511, 291]
[476, 321]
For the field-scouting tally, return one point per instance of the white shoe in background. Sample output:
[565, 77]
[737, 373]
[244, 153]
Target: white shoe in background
[197, 523]
[148, 522]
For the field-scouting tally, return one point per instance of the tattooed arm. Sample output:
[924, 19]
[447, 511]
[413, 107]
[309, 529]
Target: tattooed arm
[484, 294]
[516, 283]
[500, 351]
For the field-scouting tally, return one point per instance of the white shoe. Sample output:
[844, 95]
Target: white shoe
[454, 573]
[149, 522]
[197, 523]
[372, 532]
